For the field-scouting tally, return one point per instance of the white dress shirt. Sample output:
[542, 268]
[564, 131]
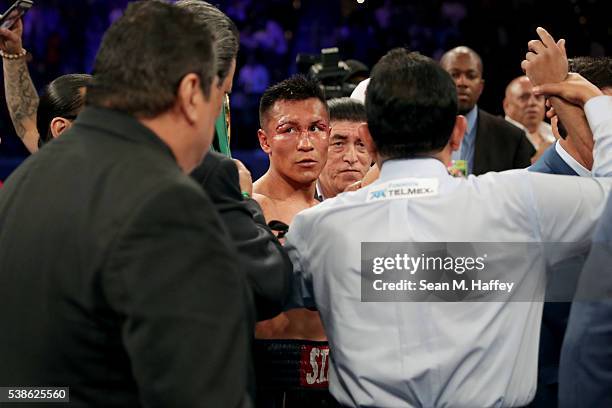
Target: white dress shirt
[570, 161]
[544, 129]
[400, 354]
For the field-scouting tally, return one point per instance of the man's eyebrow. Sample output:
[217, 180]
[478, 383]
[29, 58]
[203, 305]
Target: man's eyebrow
[318, 121]
[339, 136]
[287, 122]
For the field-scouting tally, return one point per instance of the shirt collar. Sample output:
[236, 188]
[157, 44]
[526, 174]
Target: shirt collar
[516, 123]
[570, 161]
[471, 117]
[417, 168]
[319, 191]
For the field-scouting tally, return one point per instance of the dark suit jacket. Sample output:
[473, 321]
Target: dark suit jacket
[499, 145]
[555, 314]
[117, 277]
[585, 373]
[265, 263]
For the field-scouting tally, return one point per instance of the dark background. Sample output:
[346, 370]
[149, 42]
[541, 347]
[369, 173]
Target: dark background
[63, 36]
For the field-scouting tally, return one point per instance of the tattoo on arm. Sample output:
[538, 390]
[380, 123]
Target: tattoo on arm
[21, 96]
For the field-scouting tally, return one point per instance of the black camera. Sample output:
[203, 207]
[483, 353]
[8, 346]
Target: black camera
[337, 78]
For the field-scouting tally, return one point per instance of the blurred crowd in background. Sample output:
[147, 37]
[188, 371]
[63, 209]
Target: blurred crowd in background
[63, 37]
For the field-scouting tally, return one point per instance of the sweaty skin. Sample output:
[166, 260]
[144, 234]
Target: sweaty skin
[296, 137]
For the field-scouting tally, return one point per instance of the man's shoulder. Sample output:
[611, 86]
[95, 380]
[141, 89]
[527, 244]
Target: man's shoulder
[334, 208]
[213, 162]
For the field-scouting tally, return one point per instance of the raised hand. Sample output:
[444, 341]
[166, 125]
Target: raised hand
[546, 60]
[10, 40]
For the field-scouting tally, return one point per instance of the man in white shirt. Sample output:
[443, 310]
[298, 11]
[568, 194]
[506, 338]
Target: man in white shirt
[389, 354]
[526, 111]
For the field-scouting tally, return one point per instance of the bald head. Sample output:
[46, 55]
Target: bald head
[461, 51]
[522, 105]
[465, 67]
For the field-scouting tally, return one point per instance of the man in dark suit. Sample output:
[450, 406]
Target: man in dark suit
[267, 266]
[585, 373]
[118, 279]
[565, 157]
[490, 143]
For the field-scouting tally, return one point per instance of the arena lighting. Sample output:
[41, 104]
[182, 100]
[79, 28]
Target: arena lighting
[360, 1]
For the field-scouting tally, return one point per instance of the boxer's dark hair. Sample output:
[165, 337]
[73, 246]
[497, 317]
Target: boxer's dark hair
[411, 105]
[144, 56]
[346, 109]
[64, 98]
[596, 70]
[295, 88]
[226, 37]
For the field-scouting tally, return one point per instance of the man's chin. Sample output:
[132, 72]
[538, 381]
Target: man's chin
[346, 180]
[305, 178]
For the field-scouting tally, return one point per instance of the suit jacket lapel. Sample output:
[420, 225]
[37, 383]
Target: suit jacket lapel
[481, 147]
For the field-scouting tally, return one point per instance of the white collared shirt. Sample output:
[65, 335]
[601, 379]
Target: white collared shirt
[544, 129]
[570, 161]
[392, 354]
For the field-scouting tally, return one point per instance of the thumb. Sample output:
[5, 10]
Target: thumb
[548, 89]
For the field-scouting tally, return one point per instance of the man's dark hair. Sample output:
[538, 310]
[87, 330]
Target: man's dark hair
[144, 56]
[226, 37]
[411, 105]
[296, 88]
[346, 109]
[596, 70]
[64, 98]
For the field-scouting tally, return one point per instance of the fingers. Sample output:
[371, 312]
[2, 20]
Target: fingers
[353, 187]
[536, 46]
[8, 35]
[548, 89]
[545, 37]
[561, 45]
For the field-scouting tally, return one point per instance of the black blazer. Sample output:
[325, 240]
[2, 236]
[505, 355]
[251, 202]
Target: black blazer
[117, 277]
[264, 261]
[499, 145]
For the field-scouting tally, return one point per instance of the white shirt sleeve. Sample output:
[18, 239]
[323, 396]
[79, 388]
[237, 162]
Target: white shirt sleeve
[598, 111]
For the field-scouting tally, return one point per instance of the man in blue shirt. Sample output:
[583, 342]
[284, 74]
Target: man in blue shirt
[389, 354]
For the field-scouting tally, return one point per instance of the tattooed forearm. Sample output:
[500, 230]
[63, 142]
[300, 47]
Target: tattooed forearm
[21, 96]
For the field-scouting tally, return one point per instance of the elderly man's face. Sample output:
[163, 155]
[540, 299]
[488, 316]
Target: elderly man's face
[347, 158]
[523, 106]
[296, 137]
[467, 74]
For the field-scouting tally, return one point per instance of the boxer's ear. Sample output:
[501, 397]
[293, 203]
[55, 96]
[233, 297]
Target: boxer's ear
[263, 141]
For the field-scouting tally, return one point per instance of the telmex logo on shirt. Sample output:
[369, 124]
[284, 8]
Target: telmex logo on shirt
[404, 188]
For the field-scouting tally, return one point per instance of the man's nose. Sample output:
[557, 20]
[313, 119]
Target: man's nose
[533, 100]
[461, 80]
[350, 155]
[304, 142]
